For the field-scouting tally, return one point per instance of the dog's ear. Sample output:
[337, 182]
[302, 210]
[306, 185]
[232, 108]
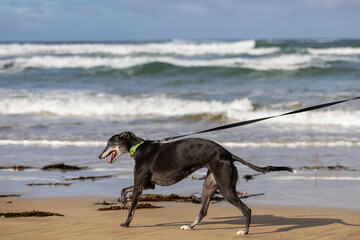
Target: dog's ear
[124, 135]
[127, 135]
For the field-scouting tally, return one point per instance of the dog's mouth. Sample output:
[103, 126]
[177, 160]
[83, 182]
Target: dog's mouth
[112, 156]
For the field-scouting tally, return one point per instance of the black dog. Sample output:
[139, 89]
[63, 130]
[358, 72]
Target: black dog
[167, 163]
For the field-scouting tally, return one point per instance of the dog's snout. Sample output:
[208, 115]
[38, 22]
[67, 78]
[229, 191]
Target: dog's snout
[102, 155]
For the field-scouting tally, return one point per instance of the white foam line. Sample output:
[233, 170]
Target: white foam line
[125, 177]
[184, 48]
[312, 178]
[292, 144]
[112, 169]
[53, 143]
[16, 178]
[335, 51]
[60, 143]
[14, 170]
[282, 62]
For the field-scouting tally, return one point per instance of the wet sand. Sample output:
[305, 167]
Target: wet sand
[83, 221]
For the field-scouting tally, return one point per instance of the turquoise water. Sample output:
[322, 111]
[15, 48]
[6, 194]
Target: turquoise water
[60, 102]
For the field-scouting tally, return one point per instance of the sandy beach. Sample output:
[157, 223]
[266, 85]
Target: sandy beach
[83, 221]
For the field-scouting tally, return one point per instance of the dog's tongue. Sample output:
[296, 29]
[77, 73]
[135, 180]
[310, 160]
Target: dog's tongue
[111, 157]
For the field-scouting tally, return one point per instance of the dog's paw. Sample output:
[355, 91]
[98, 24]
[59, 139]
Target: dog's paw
[241, 232]
[185, 227]
[124, 225]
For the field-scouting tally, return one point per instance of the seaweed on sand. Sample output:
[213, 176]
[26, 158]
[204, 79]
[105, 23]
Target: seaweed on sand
[17, 168]
[191, 198]
[92, 178]
[249, 177]
[49, 184]
[9, 195]
[330, 168]
[167, 198]
[62, 167]
[104, 203]
[33, 213]
[140, 205]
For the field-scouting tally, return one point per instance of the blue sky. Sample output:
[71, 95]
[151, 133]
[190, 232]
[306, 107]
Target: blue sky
[121, 20]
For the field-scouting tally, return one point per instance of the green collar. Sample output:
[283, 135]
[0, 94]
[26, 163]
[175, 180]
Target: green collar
[133, 148]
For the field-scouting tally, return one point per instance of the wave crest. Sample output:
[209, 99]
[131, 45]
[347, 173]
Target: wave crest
[87, 104]
[181, 48]
[335, 51]
[282, 62]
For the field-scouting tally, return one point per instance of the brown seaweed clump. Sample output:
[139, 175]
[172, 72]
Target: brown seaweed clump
[9, 195]
[104, 203]
[17, 168]
[92, 178]
[167, 198]
[49, 184]
[249, 177]
[139, 206]
[330, 168]
[62, 167]
[33, 213]
[192, 198]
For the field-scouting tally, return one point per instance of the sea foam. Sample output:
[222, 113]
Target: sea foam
[281, 62]
[335, 51]
[89, 104]
[183, 48]
[245, 144]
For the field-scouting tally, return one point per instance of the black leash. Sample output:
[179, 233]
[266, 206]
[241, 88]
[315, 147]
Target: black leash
[238, 124]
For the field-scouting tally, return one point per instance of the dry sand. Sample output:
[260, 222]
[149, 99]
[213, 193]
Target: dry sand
[82, 221]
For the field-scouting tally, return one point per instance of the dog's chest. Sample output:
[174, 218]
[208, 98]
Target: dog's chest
[166, 179]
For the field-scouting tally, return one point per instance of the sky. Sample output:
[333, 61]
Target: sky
[127, 20]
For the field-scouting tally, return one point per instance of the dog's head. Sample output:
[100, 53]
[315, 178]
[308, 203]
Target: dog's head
[117, 145]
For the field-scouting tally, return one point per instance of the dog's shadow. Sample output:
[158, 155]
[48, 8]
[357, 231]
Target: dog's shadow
[285, 223]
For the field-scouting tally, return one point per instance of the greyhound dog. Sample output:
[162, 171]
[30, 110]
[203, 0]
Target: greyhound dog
[167, 163]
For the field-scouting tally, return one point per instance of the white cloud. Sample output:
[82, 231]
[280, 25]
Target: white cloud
[31, 12]
[23, 10]
[333, 4]
[191, 8]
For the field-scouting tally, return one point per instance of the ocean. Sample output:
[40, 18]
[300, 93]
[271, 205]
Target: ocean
[61, 102]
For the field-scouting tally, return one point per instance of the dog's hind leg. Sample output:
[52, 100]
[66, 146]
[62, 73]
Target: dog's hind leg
[226, 176]
[209, 188]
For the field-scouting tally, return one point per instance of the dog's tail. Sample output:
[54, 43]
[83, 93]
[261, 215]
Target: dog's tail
[262, 169]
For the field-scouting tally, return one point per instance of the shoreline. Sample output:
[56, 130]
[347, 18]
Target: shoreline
[248, 201]
[83, 221]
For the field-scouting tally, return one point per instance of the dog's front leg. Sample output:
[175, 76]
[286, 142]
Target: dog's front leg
[125, 191]
[134, 202]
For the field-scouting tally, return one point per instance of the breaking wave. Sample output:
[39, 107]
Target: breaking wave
[176, 47]
[281, 62]
[90, 104]
[248, 54]
[335, 51]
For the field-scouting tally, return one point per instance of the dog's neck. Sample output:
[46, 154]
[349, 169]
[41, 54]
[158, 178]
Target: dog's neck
[133, 141]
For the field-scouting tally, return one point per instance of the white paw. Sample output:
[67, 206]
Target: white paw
[185, 227]
[241, 232]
